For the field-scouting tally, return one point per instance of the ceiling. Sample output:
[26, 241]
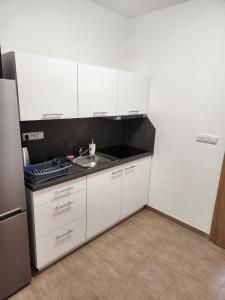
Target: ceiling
[133, 8]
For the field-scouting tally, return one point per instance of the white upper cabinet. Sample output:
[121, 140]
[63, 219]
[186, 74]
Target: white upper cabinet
[51, 88]
[47, 88]
[133, 91]
[97, 91]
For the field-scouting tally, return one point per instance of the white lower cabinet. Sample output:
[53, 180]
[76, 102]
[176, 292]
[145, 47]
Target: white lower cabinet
[59, 212]
[115, 194]
[63, 216]
[57, 217]
[103, 200]
[59, 242]
[58, 192]
[135, 186]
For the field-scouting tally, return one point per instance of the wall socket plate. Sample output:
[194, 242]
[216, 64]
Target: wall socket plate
[207, 138]
[31, 136]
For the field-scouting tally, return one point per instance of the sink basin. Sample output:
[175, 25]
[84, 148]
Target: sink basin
[91, 161]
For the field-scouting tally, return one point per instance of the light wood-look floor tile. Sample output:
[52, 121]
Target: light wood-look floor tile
[147, 257]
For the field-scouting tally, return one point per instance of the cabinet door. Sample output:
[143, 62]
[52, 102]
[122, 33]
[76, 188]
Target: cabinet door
[135, 186]
[97, 91]
[47, 87]
[132, 93]
[103, 200]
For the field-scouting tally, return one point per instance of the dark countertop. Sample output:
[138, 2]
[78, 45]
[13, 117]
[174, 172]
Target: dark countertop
[78, 171]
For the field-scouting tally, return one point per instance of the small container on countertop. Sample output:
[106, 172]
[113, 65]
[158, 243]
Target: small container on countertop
[92, 148]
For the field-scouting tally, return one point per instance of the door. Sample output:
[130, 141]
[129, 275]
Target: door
[47, 87]
[103, 200]
[97, 91]
[12, 189]
[14, 255]
[135, 186]
[217, 234]
[133, 90]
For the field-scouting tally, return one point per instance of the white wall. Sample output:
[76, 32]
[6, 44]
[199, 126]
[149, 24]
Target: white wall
[183, 47]
[77, 30]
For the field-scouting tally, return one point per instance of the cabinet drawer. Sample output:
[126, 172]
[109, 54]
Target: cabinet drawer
[53, 245]
[59, 212]
[59, 191]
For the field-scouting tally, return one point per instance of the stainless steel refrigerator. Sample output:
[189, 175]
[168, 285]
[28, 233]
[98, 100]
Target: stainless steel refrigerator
[15, 269]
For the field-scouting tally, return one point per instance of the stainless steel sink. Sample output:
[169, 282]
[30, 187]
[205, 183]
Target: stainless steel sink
[91, 161]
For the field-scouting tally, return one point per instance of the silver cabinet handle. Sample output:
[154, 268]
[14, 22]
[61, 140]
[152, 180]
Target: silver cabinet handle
[64, 205]
[100, 113]
[134, 111]
[117, 172]
[51, 116]
[64, 191]
[129, 168]
[60, 236]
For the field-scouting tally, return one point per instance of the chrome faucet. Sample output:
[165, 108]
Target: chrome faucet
[81, 152]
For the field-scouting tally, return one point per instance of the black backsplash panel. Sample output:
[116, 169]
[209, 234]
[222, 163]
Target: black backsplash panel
[139, 133]
[64, 137]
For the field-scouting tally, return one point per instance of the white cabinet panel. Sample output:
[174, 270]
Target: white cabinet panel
[57, 219]
[133, 90]
[57, 243]
[135, 186]
[47, 88]
[103, 200]
[59, 191]
[97, 91]
[57, 213]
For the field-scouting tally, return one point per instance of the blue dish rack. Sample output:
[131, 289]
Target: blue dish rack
[48, 170]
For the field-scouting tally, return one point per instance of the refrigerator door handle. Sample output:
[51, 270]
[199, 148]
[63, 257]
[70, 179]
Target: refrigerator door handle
[10, 213]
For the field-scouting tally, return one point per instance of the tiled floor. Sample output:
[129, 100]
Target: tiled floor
[146, 257]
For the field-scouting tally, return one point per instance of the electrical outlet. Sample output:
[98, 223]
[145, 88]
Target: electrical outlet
[207, 138]
[31, 136]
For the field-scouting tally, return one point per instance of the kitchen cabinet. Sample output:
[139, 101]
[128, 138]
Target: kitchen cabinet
[56, 213]
[57, 220]
[57, 89]
[97, 91]
[115, 194]
[47, 87]
[135, 186]
[133, 93]
[103, 200]
[64, 216]
[59, 242]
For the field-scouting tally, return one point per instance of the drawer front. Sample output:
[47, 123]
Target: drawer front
[57, 213]
[59, 191]
[53, 245]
